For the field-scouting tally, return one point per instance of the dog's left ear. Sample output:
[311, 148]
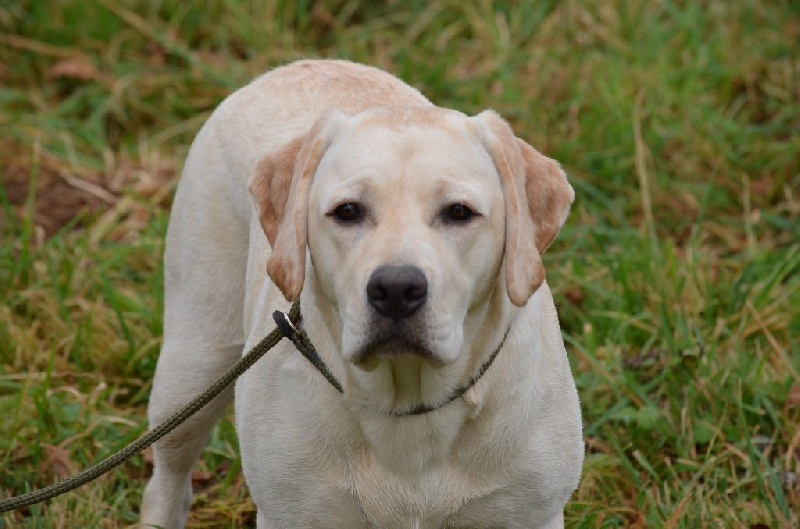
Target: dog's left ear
[537, 198]
[280, 189]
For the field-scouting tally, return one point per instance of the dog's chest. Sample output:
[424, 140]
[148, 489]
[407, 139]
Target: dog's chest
[426, 501]
[442, 496]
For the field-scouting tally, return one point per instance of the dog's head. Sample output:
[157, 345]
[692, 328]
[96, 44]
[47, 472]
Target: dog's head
[412, 217]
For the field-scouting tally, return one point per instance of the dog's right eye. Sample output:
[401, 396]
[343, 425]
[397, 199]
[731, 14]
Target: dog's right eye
[458, 214]
[347, 213]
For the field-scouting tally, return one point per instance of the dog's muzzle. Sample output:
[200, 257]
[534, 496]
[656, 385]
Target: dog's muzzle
[396, 293]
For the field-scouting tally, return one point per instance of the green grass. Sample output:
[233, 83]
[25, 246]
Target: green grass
[677, 276]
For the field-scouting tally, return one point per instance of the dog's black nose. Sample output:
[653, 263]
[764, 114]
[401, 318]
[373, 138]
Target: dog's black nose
[397, 291]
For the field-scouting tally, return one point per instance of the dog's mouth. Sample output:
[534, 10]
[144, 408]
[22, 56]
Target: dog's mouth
[393, 347]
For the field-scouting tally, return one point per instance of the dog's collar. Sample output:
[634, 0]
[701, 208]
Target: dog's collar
[289, 328]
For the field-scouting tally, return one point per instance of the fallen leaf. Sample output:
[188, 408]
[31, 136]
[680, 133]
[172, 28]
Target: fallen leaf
[58, 462]
[575, 296]
[77, 67]
[147, 455]
[793, 400]
[200, 477]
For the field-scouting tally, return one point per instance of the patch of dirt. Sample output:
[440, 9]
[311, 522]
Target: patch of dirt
[56, 202]
[62, 197]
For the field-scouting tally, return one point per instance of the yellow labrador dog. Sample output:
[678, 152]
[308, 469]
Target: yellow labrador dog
[412, 236]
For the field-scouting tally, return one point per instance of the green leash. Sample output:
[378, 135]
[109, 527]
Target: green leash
[113, 461]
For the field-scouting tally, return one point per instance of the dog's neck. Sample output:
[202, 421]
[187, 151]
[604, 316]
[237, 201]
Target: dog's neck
[375, 393]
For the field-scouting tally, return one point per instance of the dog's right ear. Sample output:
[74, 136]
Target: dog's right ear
[537, 199]
[280, 189]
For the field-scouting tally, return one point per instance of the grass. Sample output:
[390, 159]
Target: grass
[677, 275]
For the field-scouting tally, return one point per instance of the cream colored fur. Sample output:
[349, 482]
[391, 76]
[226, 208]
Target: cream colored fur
[304, 139]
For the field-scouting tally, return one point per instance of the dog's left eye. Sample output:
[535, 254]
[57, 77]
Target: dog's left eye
[458, 213]
[347, 213]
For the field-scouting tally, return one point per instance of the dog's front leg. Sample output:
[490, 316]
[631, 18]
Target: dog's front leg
[168, 494]
[204, 276]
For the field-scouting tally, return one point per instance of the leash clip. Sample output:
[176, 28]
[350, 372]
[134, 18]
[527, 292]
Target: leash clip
[304, 345]
[285, 325]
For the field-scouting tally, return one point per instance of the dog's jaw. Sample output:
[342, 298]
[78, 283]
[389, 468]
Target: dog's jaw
[367, 337]
[393, 347]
